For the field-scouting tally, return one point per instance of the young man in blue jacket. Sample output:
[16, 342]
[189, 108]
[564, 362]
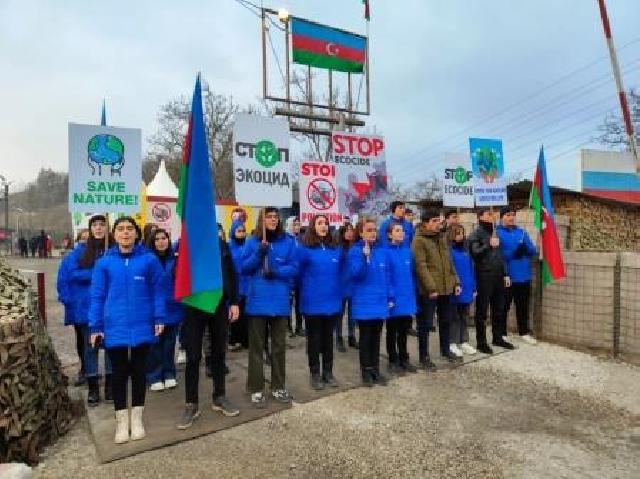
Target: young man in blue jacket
[517, 249]
[397, 217]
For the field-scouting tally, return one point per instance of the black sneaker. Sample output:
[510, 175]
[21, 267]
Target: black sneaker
[108, 391]
[408, 367]
[485, 348]
[282, 396]
[226, 407]
[340, 345]
[93, 398]
[504, 344]
[367, 379]
[316, 382]
[394, 368]
[427, 365]
[353, 343]
[432, 329]
[190, 414]
[329, 380]
[378, 378]
[452, 358]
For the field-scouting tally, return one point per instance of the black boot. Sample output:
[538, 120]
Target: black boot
[340, 344]
[81, 380]
[352, 342]
[316, 382]
[93, 398]
[108, 395]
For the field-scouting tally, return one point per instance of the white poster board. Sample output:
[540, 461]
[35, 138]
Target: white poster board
[319, 192]
[261, 166]
[457, 181]
[487, 160]
[162, 212]
[361, 172]
[105, 169]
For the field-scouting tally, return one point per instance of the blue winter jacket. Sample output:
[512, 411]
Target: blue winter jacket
[406, 226]
[66, 288]
[174, 309]
[236, 255]
[518, 258]
[463, 264]
[320, 271]
[372, 290]
[295, 282]
[269, 296]
[128, 297]
[81, 284]
[346, 285]
[402, 274]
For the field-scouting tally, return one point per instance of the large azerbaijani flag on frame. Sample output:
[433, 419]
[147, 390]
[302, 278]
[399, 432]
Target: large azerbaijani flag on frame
[552, 267]
[325, 47]
[198, 270]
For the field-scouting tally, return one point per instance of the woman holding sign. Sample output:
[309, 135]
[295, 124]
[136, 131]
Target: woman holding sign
[320, 299]
[127, 312]
[371, 297]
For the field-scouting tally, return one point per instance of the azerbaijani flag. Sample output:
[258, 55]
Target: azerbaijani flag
[198, 270]
[325, 47]
[540, 201]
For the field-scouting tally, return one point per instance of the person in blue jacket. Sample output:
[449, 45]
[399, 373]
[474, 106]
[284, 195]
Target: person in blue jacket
[345, 238]
[269, 259]
[320, 264]
[397, 217]
[293, 229]
[371, 296]
[517, 249]
[238, 334]
[127, 313]
[80, 274]
[402, 271]
[66, 295]
[463, 264]
[161, 367]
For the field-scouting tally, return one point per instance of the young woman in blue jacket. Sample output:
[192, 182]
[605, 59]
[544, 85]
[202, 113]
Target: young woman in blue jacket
[238, 333]
[320, 263]
[371, 297]
[80, 274]
[269, 260]
[461, 259]
[161, 367]
[401, 267]
[127, 313]
[345, 238]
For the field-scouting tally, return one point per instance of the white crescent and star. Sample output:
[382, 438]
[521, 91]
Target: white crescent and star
[332, 49]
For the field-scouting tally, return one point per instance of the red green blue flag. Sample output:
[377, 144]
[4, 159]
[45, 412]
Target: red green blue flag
[544, 220]
[198, 270]
[325, 47]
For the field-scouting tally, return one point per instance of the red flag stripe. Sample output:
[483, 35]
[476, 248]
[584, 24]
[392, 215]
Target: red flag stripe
[327, 48]
[183, 267]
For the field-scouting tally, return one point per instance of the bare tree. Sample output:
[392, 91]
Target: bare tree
[613, 132]
[429, 189]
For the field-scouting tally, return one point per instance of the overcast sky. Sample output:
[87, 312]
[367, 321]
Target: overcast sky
[442, 70]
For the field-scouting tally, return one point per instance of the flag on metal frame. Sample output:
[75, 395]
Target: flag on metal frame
[552, 265]
[198, 269]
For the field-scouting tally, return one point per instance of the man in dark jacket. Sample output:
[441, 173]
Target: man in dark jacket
[492, 278]
[193, 330]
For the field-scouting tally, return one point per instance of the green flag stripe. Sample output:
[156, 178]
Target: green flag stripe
[206, 301]
[536, 205]
[546, 273]
[328, 62]
[182, 190]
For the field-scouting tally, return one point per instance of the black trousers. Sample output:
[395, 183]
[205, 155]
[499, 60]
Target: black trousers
[195, 321]
[125, 363]
[239, 330]
[320, 341]
[80, 345]
[397, 339]
[520, 293]
[370, 332]
[295, 299]
[491, 294]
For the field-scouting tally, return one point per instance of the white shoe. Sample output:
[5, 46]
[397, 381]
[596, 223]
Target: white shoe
[527, 338]
[468, 349]
[159, 386]
[137, 428]
[122, 426]
[505, 339]
[170, 383]
[182, 357]
[453, 348]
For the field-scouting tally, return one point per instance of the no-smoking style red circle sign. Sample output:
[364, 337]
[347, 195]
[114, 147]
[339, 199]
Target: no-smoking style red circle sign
[321, 194]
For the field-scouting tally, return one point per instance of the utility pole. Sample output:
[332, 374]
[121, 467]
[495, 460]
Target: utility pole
[622, 95]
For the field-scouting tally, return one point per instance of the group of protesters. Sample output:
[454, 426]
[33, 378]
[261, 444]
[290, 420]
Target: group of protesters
[117, 288]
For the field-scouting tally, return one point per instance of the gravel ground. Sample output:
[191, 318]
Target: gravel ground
[539, 411]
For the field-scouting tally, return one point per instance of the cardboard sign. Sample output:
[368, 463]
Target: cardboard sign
[487, 163]
[457, 181]
[319, 192]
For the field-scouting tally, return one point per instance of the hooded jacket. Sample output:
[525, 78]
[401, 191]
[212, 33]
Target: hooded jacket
[268, 295]
[372, 290]
[66, 288]
[517, 250]
[174, 309]
[434, 269]
[128, 297]
[80, 284]
[320, 279]
[236, 253]
[402, 273]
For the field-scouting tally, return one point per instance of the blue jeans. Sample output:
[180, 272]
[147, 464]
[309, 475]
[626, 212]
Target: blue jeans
[428, 307]
[351, 323]
[91, 356]
[161, 364]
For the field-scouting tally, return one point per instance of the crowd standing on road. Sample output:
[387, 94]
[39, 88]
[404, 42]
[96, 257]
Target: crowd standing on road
[117, 289]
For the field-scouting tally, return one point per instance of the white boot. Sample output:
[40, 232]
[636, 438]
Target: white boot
[137, 428]
[122, 426]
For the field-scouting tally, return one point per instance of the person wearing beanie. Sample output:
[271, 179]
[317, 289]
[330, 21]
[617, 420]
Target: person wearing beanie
[80, 276]
[518, 250]
[492, 277]
[398, 210]
[437, 284]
